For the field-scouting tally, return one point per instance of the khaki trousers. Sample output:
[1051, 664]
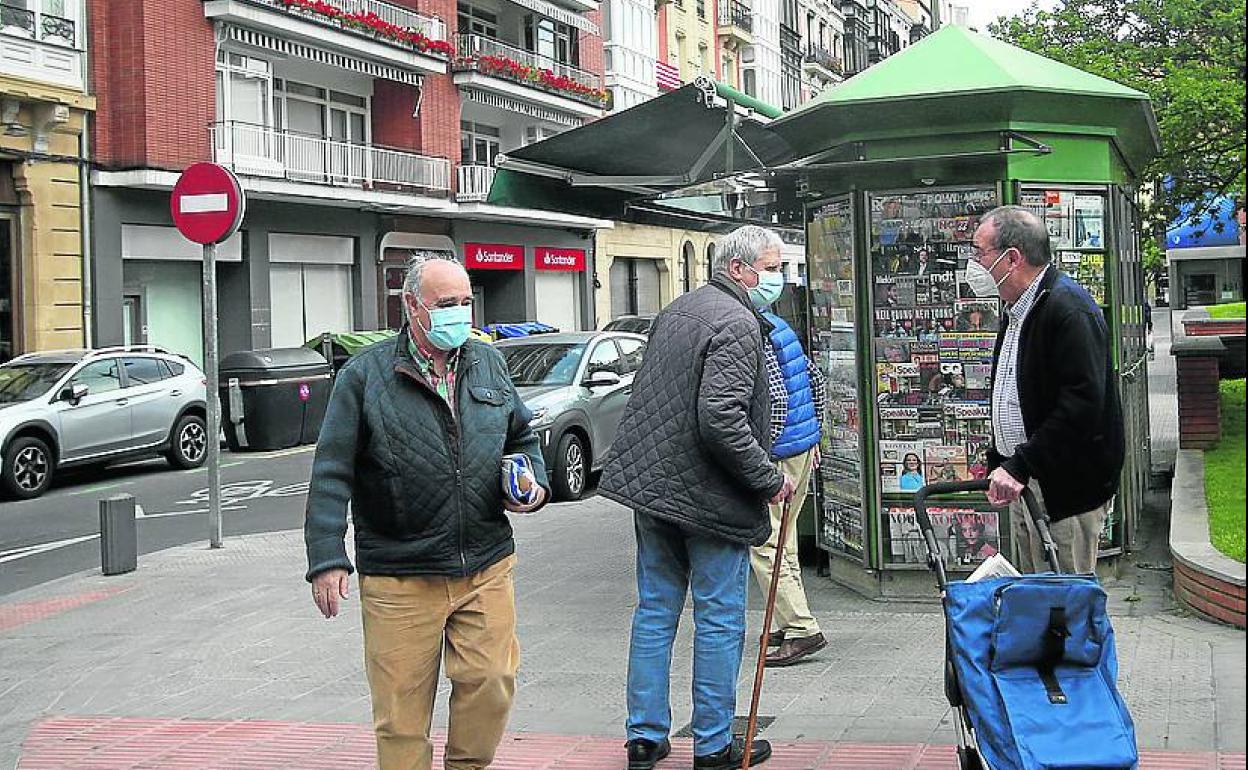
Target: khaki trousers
[1077, 538]
[792, 613]
[409, 624]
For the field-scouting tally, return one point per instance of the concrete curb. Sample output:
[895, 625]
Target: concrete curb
[1205, 580]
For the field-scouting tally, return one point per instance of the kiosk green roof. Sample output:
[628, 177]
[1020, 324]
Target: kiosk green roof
[957, 80]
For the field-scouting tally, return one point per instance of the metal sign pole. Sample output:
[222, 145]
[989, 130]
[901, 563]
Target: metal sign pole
[213, 460]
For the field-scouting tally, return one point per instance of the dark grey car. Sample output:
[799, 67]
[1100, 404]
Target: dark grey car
[576, 385]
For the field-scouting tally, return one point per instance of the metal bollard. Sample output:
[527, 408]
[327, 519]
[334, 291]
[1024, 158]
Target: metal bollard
[119, 542]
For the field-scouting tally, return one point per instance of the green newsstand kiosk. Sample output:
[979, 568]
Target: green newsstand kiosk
[895, 167]
[889, 174]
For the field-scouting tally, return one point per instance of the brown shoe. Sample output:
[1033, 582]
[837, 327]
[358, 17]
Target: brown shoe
[775, 638]
[793, 650]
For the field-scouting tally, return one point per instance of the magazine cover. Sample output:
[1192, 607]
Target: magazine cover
[892, 350]
[898, 422]
[965, 536]
[901, 466]
[977, 315]
[945, 462]
[977, 446]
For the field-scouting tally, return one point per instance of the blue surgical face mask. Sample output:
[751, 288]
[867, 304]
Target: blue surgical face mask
[449, 327]
[768, 290]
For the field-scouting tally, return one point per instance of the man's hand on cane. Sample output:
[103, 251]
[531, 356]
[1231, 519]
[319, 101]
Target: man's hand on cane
[786, 492]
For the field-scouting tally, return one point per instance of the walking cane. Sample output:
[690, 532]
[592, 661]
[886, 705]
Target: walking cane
[752, 724]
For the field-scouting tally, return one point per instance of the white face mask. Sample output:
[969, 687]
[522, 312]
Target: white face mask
[980, 279]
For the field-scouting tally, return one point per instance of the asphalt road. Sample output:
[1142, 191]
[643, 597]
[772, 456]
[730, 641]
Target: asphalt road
[58, 534]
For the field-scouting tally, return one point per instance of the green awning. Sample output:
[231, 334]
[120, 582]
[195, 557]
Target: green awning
[957, 80]
[668, 143]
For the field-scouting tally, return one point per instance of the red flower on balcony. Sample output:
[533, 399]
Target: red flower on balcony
[371, 23]
[503, 66]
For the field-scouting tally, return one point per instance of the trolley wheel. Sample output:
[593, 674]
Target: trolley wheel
[968, 759]
[953, 693]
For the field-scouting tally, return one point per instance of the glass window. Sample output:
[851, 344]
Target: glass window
[605, 358]
[100, 376]
[22, 382]
[632, 351]
[143, 371]
[542, 363]
[348, 99]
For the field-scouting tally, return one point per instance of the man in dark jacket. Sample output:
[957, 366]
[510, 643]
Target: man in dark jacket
[691, 460]
[414, 439]
[1056, 418]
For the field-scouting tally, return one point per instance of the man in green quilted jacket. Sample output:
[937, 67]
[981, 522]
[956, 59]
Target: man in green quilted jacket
[413, 440]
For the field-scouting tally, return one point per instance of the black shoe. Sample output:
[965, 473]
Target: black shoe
[775, 638]
[644, 754]
[730, 757]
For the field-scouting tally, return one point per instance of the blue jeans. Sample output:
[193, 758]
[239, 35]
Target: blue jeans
[671, 560]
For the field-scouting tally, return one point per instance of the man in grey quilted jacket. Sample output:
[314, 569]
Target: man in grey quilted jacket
[691, 459]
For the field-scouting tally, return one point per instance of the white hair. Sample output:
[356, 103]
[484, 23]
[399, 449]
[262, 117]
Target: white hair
[745, 244]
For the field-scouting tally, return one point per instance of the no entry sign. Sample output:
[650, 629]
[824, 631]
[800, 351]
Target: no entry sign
[207, 203]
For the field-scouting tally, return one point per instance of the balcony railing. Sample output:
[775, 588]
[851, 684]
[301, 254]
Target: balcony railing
[822, 57]
[20, 22]
[473, 183]
[494, 57]
[735, 13]
[261, 151]
[404, 18]
[790, 39]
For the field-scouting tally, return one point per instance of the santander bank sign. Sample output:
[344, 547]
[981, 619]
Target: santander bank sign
[549, 258]
[493, 256]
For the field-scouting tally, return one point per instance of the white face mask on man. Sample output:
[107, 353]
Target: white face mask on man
[980, 279]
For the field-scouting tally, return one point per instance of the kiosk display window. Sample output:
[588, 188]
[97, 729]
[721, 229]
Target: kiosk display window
[834, 348]
[932, 360]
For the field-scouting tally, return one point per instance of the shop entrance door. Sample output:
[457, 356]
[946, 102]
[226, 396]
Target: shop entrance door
[8, 290]
[1201, 289]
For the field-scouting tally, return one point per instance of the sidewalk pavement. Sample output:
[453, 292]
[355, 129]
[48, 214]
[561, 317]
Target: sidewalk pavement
[216, 659]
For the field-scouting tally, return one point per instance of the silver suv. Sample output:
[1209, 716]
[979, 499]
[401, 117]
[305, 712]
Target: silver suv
[576, 385]
[86, 407]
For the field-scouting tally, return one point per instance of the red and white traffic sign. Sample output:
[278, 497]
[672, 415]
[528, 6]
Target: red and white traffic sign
[207, 203]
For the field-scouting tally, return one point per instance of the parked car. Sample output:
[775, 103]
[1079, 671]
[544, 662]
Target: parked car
[636, 324]
[68, 408]
[576, 385]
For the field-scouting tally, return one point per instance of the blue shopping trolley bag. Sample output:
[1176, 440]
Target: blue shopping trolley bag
[1031, 666]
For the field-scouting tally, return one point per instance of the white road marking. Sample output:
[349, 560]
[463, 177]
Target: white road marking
[33, 550]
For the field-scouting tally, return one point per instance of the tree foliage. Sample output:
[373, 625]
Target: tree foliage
[1187, 55]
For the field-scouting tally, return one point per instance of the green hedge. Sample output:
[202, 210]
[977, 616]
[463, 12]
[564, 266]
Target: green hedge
[1229, 310]
[1224, 475]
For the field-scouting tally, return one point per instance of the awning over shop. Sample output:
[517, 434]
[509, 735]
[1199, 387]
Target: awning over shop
[957, 80]
[686, 137]
[1218, 225]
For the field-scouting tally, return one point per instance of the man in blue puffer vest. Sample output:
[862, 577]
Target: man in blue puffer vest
[798, 406]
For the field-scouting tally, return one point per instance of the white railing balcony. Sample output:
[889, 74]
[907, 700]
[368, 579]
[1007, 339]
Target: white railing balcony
[41, 46]
[495, 58]
[253, 150]
[404, 18]
[473, 183]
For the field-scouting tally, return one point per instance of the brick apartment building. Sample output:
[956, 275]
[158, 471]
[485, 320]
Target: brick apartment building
[362, 131]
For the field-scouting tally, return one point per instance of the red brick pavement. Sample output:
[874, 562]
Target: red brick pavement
[14, 615]
[105, 743]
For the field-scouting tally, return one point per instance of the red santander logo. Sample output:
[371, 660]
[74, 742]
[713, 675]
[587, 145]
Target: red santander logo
[493, 256]
[549, 258]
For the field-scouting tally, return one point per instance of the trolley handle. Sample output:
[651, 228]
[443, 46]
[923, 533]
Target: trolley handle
[1038, 517]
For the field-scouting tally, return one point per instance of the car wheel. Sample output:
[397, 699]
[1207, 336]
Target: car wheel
[570, 468]
[188, 444]
[28, 467]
